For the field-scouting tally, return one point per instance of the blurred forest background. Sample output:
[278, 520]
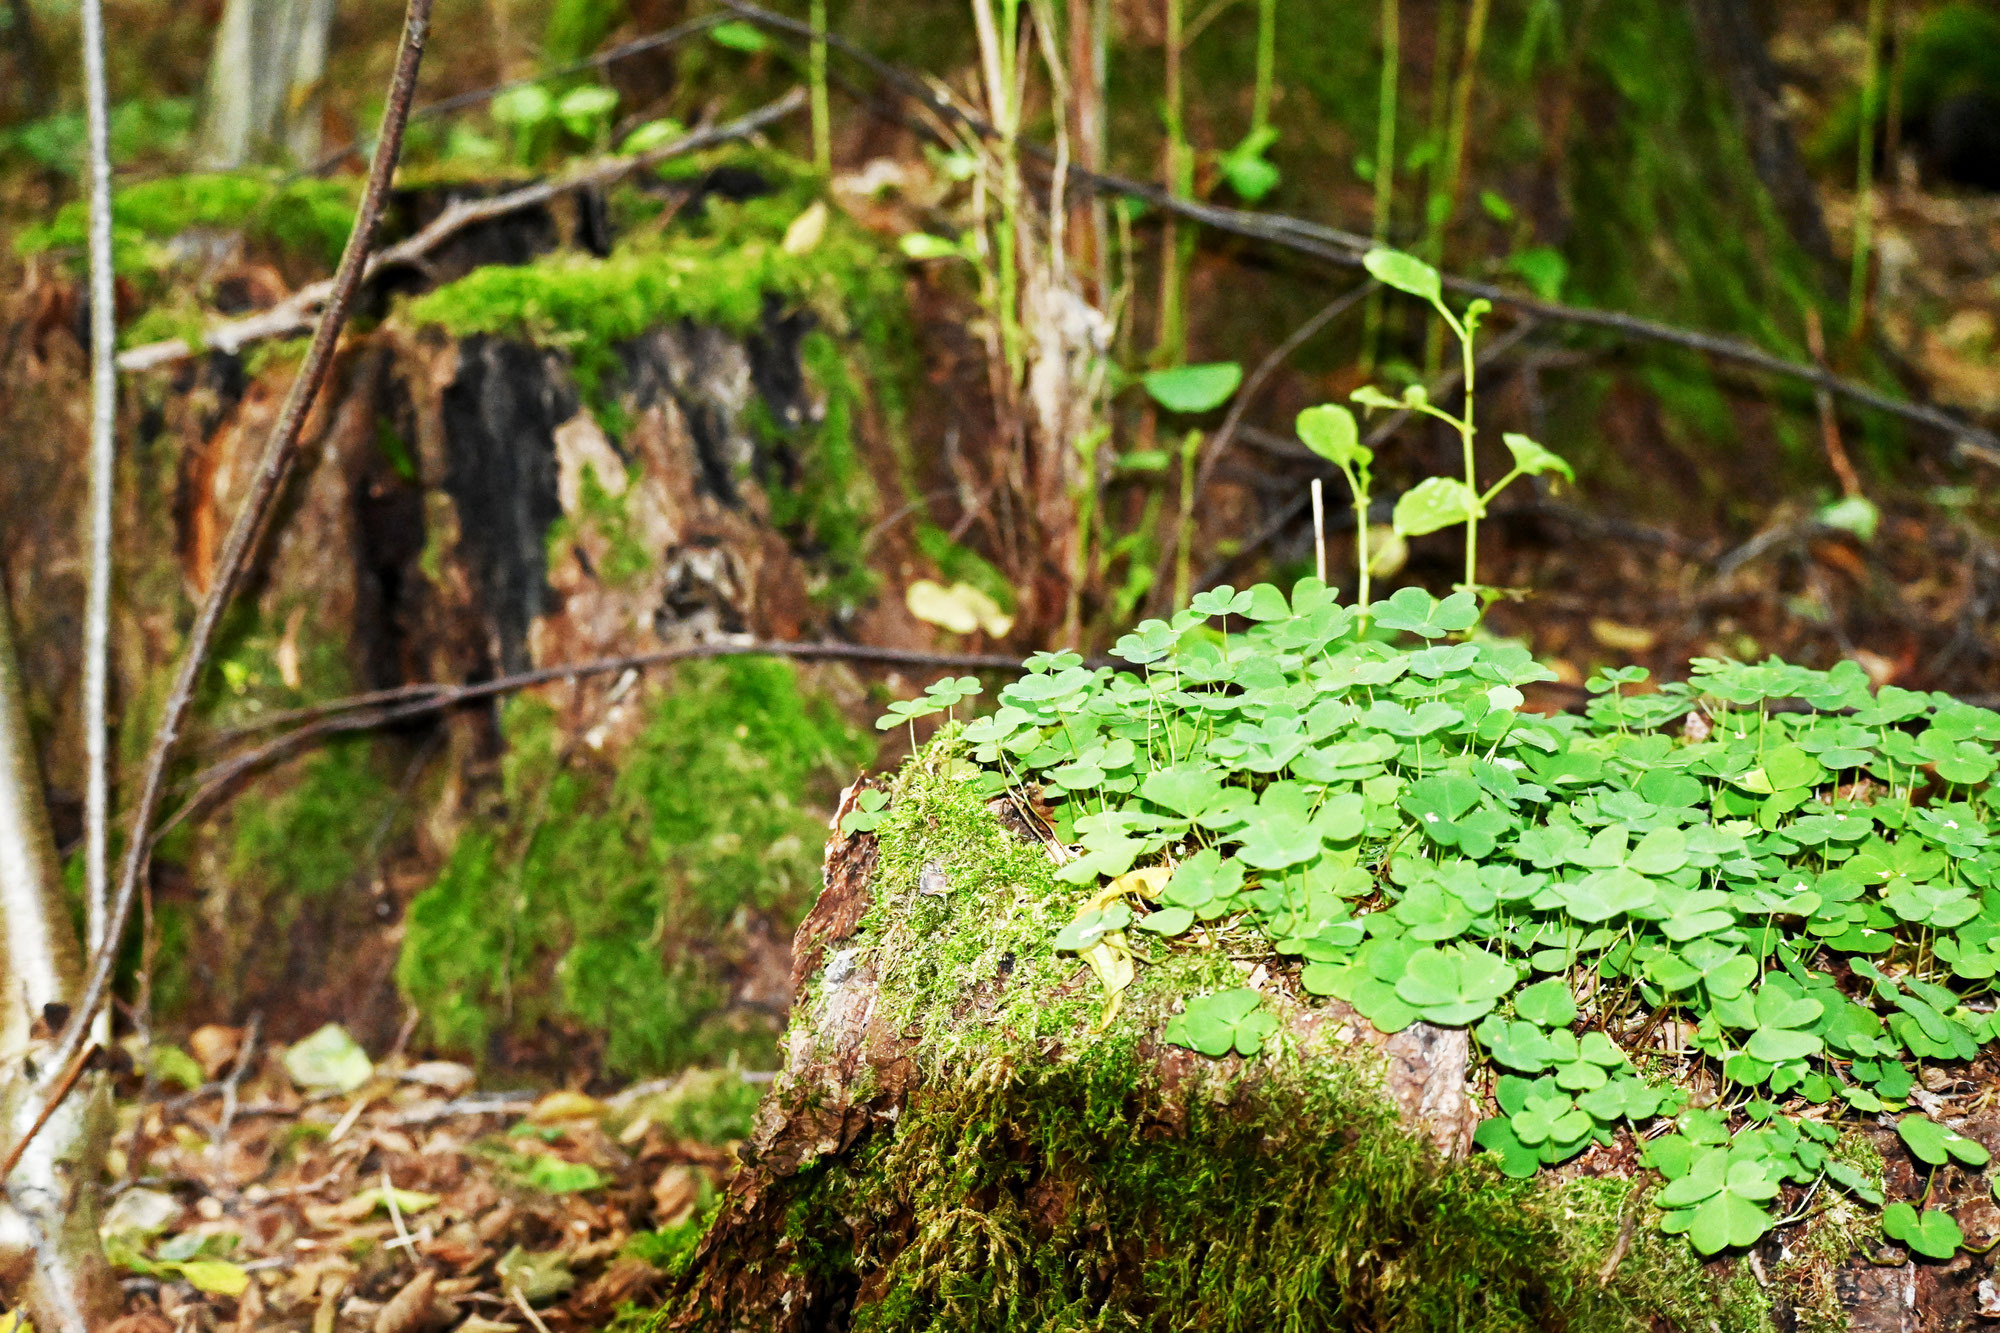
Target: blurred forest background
[992, 341]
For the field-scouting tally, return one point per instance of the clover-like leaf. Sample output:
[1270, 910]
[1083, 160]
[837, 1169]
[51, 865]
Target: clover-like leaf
[1934, 1144]
[1454, 987]
[1546, 1003]
[1406, 273]
[1329, 431]
[1219, 1023]
[1091, 926]
[1933, 1234]
[1417, 612]
[1194, 389]
[1434, 503]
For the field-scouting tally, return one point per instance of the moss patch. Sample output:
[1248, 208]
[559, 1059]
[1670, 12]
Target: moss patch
[729, 266]
[309, 217]
[598, 897]
[1043, 1178]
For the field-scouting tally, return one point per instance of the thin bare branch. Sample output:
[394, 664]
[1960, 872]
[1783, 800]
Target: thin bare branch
[248, 529]
[382, 708]
[103, 459]
[294, 314]
[1345, 249]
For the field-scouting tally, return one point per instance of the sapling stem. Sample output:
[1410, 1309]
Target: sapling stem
[1267, 64]
[1319, 530]
[1385, 168]
[822, 129]
[1864, 172]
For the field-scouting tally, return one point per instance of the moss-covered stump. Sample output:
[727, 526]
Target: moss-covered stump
[958, 1140]
[561, 441]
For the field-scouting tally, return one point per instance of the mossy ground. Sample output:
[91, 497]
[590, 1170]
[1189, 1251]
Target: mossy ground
[308, 216]
[1042, 1178]
[601, 897]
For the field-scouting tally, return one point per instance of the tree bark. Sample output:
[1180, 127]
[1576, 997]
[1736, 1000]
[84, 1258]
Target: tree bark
[1730, 32]
[50, 1259]
[264, 82]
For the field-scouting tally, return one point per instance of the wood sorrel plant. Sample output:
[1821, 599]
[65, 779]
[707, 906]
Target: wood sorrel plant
[1726, 939]
[1435, 502]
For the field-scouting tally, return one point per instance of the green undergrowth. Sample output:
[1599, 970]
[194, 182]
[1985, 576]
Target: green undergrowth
[309, 217]
[730, 265]
[1042, 1178]
[1727, 917]
[605, 898]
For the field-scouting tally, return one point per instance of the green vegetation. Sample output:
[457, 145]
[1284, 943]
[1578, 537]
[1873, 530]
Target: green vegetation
[1428, 853]
[1104, 1196]
[597, 898]
[310, 217]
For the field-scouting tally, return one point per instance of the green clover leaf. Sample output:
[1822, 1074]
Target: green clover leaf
[1217, 1024]
[1934, 1145]
[1933, 1234]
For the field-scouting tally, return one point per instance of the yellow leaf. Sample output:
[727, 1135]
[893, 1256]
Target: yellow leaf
[1145, 883]
[216, 1276]
[566, 1104]
[961, 608]
[806, 230]
[1624, 638]
[1112, 962]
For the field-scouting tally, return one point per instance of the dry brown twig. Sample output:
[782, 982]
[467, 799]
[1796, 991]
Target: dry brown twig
[245, 534]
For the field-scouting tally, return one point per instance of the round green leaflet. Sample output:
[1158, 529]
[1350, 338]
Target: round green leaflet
[1933, 1234]
[1934, 1144]
[1219, 1023]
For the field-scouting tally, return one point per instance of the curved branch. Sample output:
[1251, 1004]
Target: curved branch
[248, 529]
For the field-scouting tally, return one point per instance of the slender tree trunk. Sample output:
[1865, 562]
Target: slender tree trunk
[29, 93]
[1730, 34]
[50, 1261]
[264, 81]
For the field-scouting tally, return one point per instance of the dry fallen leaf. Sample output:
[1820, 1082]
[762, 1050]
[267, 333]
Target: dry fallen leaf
[214, 1046]
[674, 1195]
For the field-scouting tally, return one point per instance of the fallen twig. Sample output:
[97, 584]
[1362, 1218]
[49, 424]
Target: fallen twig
[245, 1053]
[294, 313]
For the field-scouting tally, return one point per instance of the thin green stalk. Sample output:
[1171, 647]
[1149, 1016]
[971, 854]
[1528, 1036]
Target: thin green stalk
[1864, 171]
[822, 125]
[1190, 451]
[1172, 346]
[1385, 168]
[1267, 64]
[1444, 202]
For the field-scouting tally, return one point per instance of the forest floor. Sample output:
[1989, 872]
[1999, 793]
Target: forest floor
[312, 1188]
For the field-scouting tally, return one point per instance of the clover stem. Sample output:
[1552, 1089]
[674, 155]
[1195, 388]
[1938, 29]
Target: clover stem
[1360, 542]
[1471, 476]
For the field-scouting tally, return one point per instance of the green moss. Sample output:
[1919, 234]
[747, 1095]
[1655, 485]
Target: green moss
[1058, 1195]
[310, 217]
[602, 897]
[720, 270]
[305, 842]
[1041, 1177]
